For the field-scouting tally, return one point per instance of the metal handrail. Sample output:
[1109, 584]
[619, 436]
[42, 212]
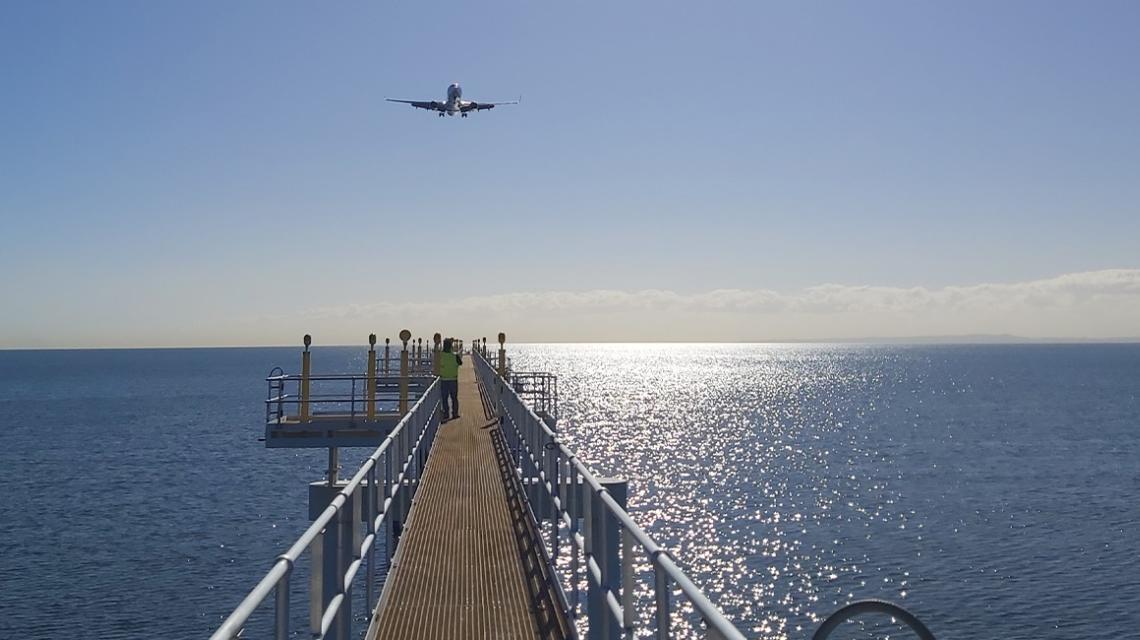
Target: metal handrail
[610, 598]
[284, 391]
[872, 606]
[407, 446]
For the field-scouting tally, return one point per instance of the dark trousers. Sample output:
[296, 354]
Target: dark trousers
[450, 389]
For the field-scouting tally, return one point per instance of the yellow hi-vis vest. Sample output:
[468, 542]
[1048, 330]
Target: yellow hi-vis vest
[448, 366]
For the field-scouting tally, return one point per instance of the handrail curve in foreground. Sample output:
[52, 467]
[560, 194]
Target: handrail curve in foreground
[861, 607]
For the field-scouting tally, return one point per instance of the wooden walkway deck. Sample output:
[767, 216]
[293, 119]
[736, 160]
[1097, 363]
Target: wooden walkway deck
[468, 564]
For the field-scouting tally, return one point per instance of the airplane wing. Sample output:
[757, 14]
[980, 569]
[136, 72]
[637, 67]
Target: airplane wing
[430, 105]
[481, 106]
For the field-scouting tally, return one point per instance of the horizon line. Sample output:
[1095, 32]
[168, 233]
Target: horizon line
[965, 339]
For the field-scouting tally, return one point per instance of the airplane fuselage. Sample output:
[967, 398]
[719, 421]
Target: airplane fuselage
[454, 102]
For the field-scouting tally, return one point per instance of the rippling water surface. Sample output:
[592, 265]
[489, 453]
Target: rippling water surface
[993, 490]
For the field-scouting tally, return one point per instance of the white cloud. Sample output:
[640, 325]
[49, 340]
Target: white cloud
[1088, 304]
[1063, 291]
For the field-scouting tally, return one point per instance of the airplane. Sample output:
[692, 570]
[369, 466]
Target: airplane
[454, 104]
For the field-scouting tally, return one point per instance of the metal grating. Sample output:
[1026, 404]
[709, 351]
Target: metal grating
[465, 566]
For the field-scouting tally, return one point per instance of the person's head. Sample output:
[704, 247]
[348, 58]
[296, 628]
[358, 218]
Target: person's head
[447, 342]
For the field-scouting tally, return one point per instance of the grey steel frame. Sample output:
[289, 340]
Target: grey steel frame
[593, 544]
[540, 391]
[351, 396]
[337, 549]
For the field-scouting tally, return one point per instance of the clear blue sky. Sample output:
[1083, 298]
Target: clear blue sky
[175, 173]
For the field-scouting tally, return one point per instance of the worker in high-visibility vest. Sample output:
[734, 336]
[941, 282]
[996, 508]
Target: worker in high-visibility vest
[449, 379]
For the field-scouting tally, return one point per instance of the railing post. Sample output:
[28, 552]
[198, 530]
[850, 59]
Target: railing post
[305, 372]
[330, 572]
[371, 377]
[590, 529]
[405, 335]
[369, 502]
[662, 589]
[613, 572]
[387, 365]
[502, 356]
[629, 616]
[346, 552]
[281, 615]
[555, 480]
[389, 507]
[316, 583]
[573, 503]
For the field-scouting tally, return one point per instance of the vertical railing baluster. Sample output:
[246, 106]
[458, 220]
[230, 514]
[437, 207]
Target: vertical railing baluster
[629, 618]
[346, 555]
[662, 588]
[556, 494]
[574, 505]
[389, 502]
[370, 515]
[281, 614]
[593, 608]
[316, 583]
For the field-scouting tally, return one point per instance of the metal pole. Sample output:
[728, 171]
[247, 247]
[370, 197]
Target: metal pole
[305, 371]
[405, 335]
[661, 585]
[281, 621]
[593, 591]
[370, 492]
[330, 571]
[629, 619]
[371, 377]
[347, 554]
[334, 465]
[389, 516]
[316, 583]
[502, 356]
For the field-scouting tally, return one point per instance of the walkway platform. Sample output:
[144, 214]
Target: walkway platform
[469, 564]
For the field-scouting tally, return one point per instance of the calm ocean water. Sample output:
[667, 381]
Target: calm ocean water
[993, 490]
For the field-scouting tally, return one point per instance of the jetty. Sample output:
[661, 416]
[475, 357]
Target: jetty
[484, 526]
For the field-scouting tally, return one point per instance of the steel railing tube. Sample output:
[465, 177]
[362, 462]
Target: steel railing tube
[555, 502]
[587, 555]
[369, 517]
[331, 571]
[389, 502]
[606, 547]
[316, 583]
[627, 553]
[281, 614]
[872, 606]
[233, 624]
[661, 589]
